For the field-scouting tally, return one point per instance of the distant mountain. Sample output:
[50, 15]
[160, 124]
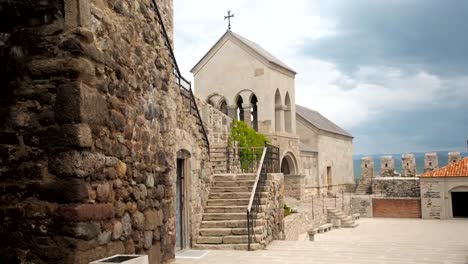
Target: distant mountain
[443, 160]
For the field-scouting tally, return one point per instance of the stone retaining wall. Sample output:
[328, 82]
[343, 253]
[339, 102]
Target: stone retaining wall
[274, 213]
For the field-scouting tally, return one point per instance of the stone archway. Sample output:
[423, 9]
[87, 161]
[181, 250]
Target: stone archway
[289, 164]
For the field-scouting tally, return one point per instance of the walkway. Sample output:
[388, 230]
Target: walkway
[376, 240]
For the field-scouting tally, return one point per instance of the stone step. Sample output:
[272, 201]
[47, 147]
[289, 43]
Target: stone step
[231, 209]
[229, 223]
[230, 189]
[229, 202]
[240, 239]
[353, 225]
[235, 177]
[240, 195]
[228, 231]
[253, 246]
[224, 216]
[233, 183]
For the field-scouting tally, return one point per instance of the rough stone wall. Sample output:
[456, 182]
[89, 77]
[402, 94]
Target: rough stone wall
[217, 124]
[296, 225]
[274, 213]
[396, 187]
[310, 168]
[88, 117]
[294, 186]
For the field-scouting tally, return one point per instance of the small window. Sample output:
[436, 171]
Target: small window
[430, 163]
[454, 161]
[407, 164]
[386, 165]
[365, 165]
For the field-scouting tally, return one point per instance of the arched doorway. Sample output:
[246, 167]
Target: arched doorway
[182, 212]
[288, 165]
[459, 201]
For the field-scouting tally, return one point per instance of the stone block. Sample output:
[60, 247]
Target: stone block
[76, 163]
[64, 190]
[78, 135]
[85, 212]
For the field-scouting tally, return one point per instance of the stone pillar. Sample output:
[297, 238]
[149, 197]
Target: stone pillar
[453, 157]
[232, 112]
[279, 118]
[367, 168]
[387, 166]
[408, 165]
[247, 110]
[431, 161]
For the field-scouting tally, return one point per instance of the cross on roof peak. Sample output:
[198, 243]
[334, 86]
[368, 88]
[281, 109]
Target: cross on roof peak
[228, 17]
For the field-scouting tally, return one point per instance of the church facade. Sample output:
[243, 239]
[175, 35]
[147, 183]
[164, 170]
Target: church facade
[245, 82]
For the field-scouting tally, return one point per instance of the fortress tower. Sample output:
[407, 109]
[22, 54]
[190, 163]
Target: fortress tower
[387, 166]
[408, 165]
[367, 168]
[431, 161]
[453, 157]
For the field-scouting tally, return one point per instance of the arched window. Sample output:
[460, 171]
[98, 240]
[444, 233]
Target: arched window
[223, 107]
[278, 120]
[254, 113]
[240, 112]
[287, 115]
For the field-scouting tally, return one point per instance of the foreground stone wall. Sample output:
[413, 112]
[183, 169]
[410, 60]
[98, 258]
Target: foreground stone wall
[87, 122]
[274, 213]
[396, 187]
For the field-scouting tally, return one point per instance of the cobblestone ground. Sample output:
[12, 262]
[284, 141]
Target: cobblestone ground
[375, 240]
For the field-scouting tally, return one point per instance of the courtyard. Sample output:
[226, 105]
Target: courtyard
[375, 240]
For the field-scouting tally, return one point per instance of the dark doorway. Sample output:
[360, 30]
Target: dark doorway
[180, 205]
[460, 204]
[285, 167]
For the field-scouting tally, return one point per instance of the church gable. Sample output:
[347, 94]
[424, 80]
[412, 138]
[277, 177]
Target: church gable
[247, 46]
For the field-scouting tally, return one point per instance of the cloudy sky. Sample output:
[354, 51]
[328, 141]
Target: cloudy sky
[392, 73]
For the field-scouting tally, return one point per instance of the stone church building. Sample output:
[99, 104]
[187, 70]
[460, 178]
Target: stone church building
[246, 82]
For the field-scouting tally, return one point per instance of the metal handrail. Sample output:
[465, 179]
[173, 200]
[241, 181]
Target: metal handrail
[179, 77]
[255, 194]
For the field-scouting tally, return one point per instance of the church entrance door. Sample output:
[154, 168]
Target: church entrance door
[459, 204]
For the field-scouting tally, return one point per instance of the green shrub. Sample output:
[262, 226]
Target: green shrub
[246, 137]
[287, 210]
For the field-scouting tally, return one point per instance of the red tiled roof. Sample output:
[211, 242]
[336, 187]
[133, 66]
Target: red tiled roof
[457, 169]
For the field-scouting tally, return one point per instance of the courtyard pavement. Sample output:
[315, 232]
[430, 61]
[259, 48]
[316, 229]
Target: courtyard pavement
[375, 240]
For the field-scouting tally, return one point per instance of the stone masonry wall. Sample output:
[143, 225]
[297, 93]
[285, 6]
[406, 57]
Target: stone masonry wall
[396, 187]
[274, 213]
[87, 123]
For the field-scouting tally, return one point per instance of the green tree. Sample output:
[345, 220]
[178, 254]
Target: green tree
[249, 141]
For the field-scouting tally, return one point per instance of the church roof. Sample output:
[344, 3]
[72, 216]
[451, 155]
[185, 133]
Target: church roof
[254, 47]
[319, 121]
[456, 169]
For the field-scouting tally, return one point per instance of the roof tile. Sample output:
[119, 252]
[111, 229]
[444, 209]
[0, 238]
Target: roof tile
[457, 169]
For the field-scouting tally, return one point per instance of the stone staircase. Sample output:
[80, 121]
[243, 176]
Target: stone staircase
[218, 159]
[346, 221]
[224, 223]
[364, 186]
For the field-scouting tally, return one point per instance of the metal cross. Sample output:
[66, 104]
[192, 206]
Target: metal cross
[228, 17]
